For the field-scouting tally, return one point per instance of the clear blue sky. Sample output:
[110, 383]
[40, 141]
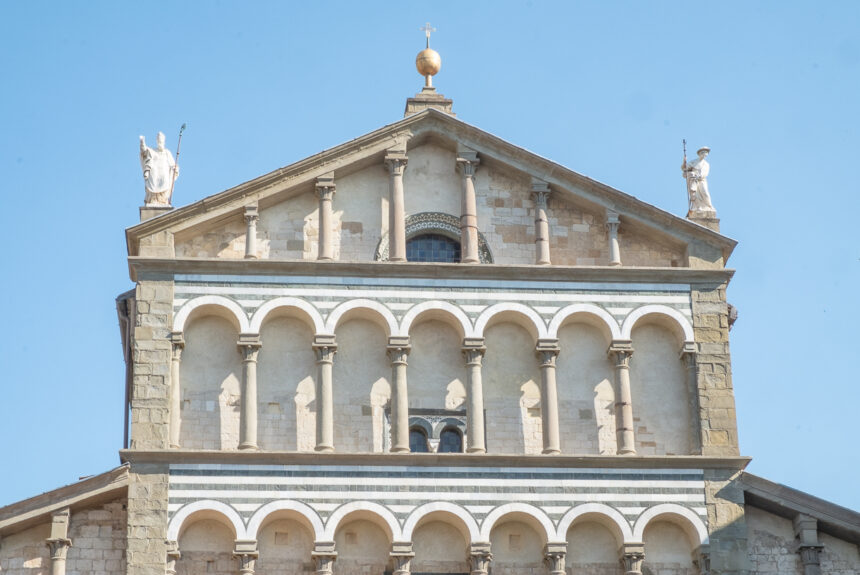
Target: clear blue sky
[606, 88]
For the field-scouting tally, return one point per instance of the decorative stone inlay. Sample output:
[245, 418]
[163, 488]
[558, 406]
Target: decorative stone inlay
[436, 222]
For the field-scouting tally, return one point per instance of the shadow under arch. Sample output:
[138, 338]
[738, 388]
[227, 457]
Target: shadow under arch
[588, 314]
[600, 513]
[528, 514]
[661, 315]
[287, 307]
[370, 310]
[288, 509]
[205, 509]
[437, 310]
[683, 517]
[366, 510]
[517, 313]
[446, 512]
[206, 305]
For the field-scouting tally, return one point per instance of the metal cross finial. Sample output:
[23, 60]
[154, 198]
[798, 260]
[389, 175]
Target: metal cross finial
[427, 30]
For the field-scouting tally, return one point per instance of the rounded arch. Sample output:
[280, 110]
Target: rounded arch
[206, 509]
[607, 516]
[305, 311]
[682, 516]
[530, 514]
[586, 313]
[369, 510]
[463, 520]
[441, 310]
[214, 305]
[304, 513]
[517, 313]
[665, 315]
[365, 309]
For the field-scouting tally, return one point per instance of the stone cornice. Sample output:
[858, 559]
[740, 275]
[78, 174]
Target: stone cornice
[394, 135]
[87, 492]
[434, 459]
[169, 266]
[787, 502]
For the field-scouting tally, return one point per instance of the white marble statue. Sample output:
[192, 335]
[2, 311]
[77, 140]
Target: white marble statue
[696, 174]
[159, 172]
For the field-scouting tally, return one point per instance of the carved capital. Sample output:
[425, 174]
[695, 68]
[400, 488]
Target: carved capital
[324, 556]
[473, 354]
[249, 346]
[540, 192]
[547, 351]
[620, 351]
[398, 349]
[402, 554]
[173, 555]
[554, 554]
[632, 556]
[480, 558]
[246, 555]
[177, 343]
[252, 214]
[396, 163]
[325, 353]
[58, 548]
[468, 164]
[810, 554]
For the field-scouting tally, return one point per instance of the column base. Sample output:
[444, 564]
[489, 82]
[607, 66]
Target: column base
[551, 451]
[400, 450]
[474, 450]
[174, 446]
[324, 448]
[614, 264]
[248, 447]
[627, 452]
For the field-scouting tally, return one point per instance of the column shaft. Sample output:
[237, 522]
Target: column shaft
[249, 347]
[398, 351]
[325, 192]
[325, 348]
[621, 353]
[540, 192]
[396, 208]
[474, 353]
[251, 217]
[612, 223]
[547, 353]
[175, 390]
[688, 356]
[468, 163]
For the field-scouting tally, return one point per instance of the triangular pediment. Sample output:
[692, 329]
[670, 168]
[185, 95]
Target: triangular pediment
[432, 140]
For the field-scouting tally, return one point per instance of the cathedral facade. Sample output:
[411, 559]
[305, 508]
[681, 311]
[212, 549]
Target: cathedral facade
[427, 351]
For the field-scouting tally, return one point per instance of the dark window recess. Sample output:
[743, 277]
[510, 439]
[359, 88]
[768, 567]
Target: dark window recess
[450, 441]
[418, 441]
[432, 248]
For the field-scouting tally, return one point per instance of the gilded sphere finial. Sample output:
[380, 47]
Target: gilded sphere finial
[428, 62]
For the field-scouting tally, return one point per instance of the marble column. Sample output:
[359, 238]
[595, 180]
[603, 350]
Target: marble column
[396, 163]
[251, 218]
[325, 348]
[547, 351]
[325, 192]
[249, 346]
[473, 352]
[554, 554]
[402, 554]
[540, 192]
[808, 546]
[173, 555]
[324, 557]
[612, 223]
[178, 344]
[632, 556]
[479, 559]
[620, 352]
[398, 352]
[688, 356]
[468, 162]
[246, 556]
[58, 543]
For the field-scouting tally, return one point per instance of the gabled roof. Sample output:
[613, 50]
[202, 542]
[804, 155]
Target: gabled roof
[788, 502]
[85, 493]
[418, 127]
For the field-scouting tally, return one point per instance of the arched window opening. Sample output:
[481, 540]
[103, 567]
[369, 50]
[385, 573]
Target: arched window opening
[432, 248]
[418, 441]
[450, 441]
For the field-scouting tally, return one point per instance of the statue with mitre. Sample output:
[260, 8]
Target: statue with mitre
[160, 171]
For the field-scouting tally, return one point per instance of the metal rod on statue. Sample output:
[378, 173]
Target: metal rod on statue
[683, 167]
[175, 164]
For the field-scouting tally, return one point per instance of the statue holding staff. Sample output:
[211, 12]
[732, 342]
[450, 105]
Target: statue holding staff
[696, 174]
[160, 170]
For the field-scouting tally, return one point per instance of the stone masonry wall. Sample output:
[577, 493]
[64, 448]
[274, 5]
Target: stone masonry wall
[25, 552]
[719, 434]
[147, 519]
[151, 365]
[724, 500]
[98, 540]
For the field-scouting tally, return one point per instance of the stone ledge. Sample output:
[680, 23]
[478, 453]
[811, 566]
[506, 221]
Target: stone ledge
[163, 269]
[434, 459]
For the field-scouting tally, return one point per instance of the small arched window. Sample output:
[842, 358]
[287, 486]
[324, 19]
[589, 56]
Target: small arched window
[418, 441]
[450, 441]
[432, 248]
